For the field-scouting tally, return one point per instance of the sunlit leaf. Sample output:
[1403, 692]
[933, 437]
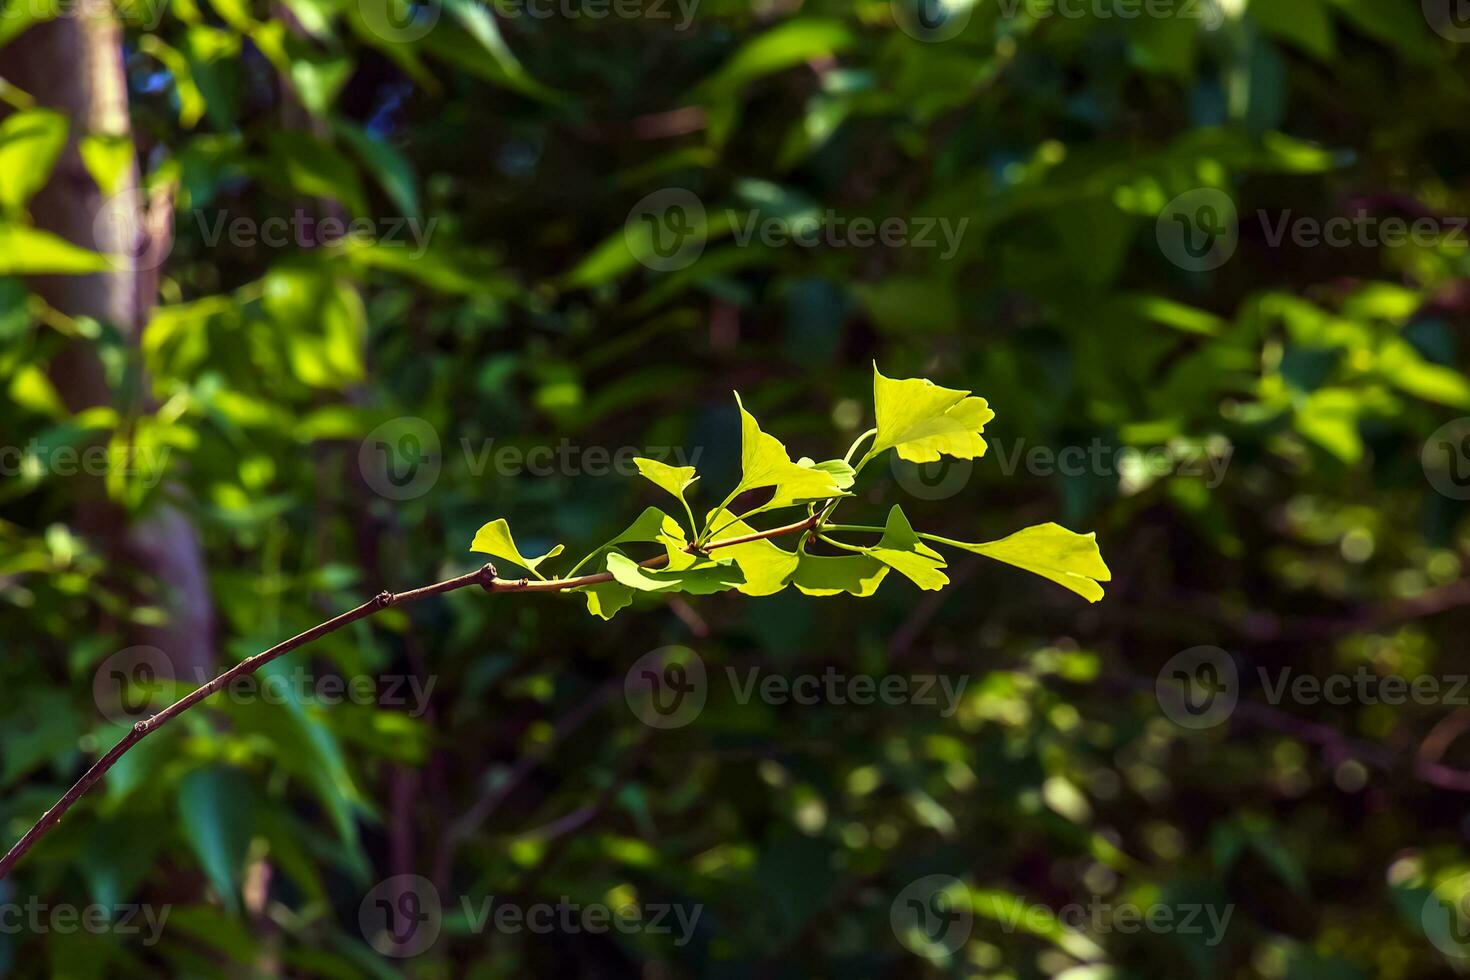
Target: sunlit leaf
[109, 160]
[703, 578]
[494, 539]
[793, 43]
[1329, 417]
[675, 480]
[766, 566]
[1069, 559]
[901, 550]
[842, 472]
[821, 575]
[18, 17]
[922, 421]
[320, 321]
[191, 99]
[26, 251]
[764, 462]
[1015, 913]
[653, 526]
[30, 143]
[605, 599]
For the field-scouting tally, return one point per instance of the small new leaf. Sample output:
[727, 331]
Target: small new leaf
[922, 421]
[671, 479]
[842, 472]
[1067, 558]
[901, 550]
[494, 539]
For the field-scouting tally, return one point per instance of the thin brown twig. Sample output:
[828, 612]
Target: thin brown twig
[486, 577]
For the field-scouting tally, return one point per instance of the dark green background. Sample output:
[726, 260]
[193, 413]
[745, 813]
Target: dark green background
[1322, 371]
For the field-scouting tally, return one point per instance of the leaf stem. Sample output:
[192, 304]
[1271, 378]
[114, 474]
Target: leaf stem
[689, 512]
[854, 447]
[949, 541]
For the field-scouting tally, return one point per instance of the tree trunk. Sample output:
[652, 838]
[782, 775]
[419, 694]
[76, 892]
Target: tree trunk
[75, 65]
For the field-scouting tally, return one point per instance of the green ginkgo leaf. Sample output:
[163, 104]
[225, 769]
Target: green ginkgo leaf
[605, 599]
[764, 462]
[675, 480]
[766, 567]
[842, 472]
[704, 578]
[922, 421]
[820, 575]
[494, 539]
[901, 550]
[653, 526]
[1067, 558]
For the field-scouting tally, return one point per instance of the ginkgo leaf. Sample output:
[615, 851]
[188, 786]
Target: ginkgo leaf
[901, 550]
[820, 575]
[764, 462]
[704, 578]
[652, 526]
[671, 479]
[842, 472]
[922, 421]
[1067, 558]
[605, 599]
[767, 568]
[494, 539]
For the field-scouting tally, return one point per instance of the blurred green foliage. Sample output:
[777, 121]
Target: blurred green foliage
[504, 311]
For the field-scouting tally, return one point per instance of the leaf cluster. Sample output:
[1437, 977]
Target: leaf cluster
[915, 418]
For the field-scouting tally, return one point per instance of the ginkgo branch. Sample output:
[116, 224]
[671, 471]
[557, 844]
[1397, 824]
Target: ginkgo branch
[917, 419]
[485, 577]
